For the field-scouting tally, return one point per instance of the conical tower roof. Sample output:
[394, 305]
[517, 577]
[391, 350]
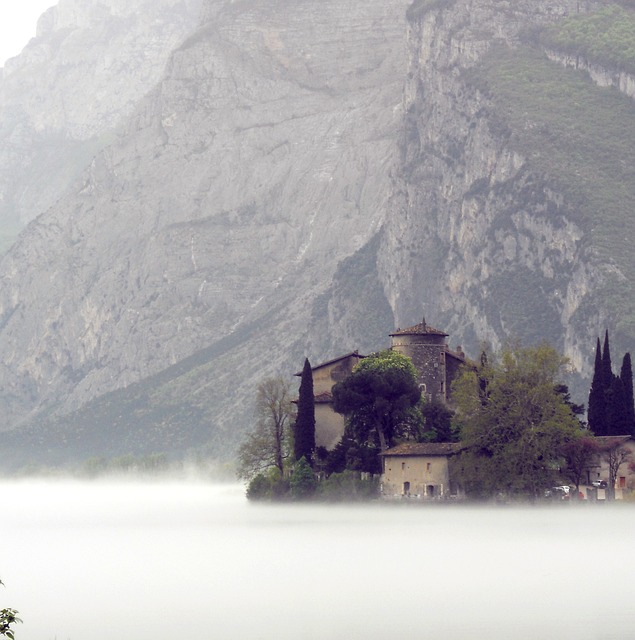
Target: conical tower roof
[421, 329]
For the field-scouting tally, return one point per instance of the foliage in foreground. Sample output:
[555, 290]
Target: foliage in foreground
[8, 617]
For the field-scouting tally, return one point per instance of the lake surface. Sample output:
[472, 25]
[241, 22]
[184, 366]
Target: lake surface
[159, 561]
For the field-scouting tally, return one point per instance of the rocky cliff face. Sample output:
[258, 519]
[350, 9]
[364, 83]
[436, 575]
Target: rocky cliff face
[479, 238]
[63, 98]
[301, 179]
[260, 160]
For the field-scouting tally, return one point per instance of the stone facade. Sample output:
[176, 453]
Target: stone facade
[418, 470]
[436, 363]
[599, 470]
[329, 425]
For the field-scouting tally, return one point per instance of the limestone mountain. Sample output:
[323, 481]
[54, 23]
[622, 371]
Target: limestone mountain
[74, 84]
[298, 179]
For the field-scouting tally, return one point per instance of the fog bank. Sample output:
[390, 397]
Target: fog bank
[93, 561]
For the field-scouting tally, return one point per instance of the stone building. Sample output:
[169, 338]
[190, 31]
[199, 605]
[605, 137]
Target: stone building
[418, 470]
[436, 364]
[598, 471]
[329, 425]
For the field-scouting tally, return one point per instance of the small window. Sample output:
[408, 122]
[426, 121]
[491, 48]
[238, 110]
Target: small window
[403, 466]
[427, 466]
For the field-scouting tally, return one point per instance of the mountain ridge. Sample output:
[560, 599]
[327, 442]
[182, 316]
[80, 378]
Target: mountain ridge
[299, 181]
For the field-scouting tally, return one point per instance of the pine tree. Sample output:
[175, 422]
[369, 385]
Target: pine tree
[597, 405]
[304, 427]
[626, 375]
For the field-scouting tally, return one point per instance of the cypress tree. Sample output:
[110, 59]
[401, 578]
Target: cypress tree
[617, 418]
[607, 370]
[626, 375]
[304, 427]
[597, 406]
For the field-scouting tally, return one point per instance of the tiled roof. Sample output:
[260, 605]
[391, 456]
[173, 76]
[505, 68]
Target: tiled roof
[424, 449]
[324, 364]
[458, 355]
[422, 329]
[324, 397]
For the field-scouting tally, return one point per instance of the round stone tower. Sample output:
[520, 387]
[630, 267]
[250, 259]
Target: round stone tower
[427, 348]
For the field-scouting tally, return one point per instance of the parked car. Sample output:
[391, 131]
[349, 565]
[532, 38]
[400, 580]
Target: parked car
[600, 484]
[558, 493]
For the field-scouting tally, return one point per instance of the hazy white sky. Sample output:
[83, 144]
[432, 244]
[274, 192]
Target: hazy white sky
[18, 19]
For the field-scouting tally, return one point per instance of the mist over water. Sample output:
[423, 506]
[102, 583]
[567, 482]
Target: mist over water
[137, 561]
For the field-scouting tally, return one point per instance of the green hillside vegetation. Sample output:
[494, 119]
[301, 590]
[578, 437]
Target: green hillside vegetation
[605, 37]
[579, 136]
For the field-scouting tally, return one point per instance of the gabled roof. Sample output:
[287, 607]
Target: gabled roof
[421, 329]
[334, 360]
[323, 398]
[457, 355]
[424, 449]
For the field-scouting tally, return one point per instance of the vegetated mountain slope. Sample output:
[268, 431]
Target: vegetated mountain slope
[516, 209]
[260, 161]
[63, 97]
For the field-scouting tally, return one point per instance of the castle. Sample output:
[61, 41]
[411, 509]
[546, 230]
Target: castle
[437, 365]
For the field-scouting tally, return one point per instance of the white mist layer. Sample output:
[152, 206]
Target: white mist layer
[153, 561]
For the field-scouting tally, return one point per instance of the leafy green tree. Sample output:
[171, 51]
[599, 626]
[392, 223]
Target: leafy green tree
[576, 409]
[8, 617]
[514, 436]
[303, 482]
[304, 425]
[379, 398]
[580, 455]
[437, 423]
[269, 485]
[268, 444]
[351, 455]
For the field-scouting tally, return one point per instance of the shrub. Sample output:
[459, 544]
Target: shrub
[268, 486]
[348, 486]
[303, 482]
